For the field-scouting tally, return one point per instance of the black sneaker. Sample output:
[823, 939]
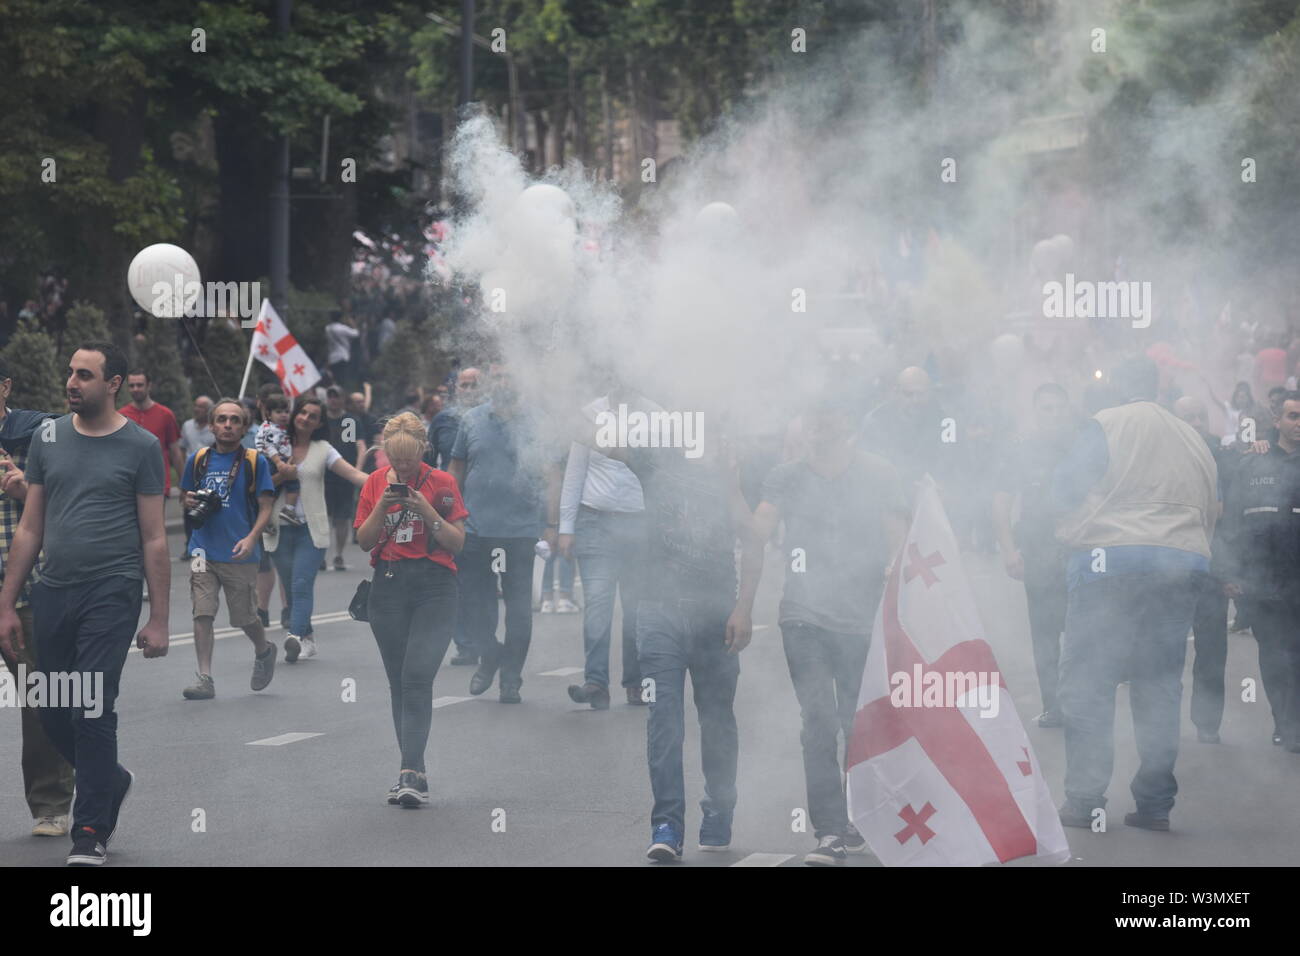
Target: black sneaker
[125, 781]
[1073, 816]
[830, 852]
[483, 677]
[854, 842]
[263, 668]
[1146, 822]
[510, 694]
[413, 789]
[264, 616]
[392, 794]
[464, 659]
[87, 849]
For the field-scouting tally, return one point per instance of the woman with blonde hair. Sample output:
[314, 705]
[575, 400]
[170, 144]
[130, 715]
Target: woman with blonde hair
[411, 519]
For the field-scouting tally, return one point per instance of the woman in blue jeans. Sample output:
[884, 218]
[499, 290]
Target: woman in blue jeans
[297, 547]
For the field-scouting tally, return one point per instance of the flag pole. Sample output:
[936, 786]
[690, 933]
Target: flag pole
[248, 366]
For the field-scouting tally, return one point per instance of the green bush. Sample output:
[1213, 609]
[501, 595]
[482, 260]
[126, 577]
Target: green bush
[37, 371]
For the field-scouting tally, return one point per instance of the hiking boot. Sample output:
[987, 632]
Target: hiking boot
[634, 697]
[201, 689]
[263, 667]
[510, 694]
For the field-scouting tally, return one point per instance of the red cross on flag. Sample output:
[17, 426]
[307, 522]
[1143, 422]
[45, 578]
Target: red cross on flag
[279, 351]
[940, 769]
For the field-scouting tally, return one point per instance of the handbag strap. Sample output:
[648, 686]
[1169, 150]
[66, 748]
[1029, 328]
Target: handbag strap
[401, 516]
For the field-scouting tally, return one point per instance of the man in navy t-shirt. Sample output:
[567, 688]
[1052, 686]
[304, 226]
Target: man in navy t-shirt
[225, 549]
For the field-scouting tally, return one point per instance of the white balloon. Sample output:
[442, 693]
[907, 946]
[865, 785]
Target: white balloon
[545, 202]
[717, 218]
[1007, 351]
[162, 262]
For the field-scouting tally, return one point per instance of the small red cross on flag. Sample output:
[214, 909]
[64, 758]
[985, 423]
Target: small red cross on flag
[278, 350]
[936, 741]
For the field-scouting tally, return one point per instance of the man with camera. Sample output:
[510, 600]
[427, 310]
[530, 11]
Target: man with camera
[228, 495]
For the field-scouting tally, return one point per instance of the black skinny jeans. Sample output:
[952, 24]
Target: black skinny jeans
[413, 617]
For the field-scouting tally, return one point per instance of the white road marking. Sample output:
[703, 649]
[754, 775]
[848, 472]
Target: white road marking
[561, 672]
[282, 739]
[764, 859]
[761, 627]
[179, 640]
[448, 701]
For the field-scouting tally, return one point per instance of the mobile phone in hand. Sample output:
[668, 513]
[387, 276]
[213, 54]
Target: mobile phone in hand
[399, 489]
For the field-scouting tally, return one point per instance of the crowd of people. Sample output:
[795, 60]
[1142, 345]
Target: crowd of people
[1129, 519]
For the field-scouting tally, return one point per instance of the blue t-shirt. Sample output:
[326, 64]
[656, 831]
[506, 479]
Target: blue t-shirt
[505, 473]
[224, 529]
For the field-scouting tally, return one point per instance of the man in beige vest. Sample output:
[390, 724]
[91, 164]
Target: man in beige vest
[1140, 491]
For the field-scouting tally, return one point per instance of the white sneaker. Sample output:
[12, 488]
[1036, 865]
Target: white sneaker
[548, 606]
[56, 826]
[308, 647]
[565, 606]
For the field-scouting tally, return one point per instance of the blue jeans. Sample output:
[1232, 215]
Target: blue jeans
[607, 546]
[566, 574]
[1125, 627]
[298, 561]
[673, 637]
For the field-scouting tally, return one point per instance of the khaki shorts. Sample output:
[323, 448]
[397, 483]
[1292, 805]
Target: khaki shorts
[239, 581]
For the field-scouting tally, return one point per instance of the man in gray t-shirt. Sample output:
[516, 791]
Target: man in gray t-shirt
[94, 500]
[91, 485]
[844, 512]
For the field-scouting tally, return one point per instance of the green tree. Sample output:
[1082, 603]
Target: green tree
[155, 351]
[225, 346]
[85, 323]
[36, 369]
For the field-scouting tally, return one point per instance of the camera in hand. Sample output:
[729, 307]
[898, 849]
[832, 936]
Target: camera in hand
[207, 503]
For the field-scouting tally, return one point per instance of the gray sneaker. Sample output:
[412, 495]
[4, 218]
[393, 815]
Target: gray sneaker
[263, 668]
[203, 688]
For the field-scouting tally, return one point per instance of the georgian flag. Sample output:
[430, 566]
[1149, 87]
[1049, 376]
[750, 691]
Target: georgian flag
[940, 770]
[279, 351]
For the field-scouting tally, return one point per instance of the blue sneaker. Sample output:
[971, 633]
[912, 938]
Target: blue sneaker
[665, 844]
[715, 831]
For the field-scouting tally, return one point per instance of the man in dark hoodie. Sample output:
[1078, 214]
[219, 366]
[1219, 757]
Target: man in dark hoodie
[47, 777]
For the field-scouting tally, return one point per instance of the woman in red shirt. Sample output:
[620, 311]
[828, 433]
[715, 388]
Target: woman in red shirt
[411, 519]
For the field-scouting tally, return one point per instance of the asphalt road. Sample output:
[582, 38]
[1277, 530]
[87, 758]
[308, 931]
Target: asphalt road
[550, 782]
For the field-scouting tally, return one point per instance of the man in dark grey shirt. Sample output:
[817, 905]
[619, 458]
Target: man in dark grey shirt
[94, 499]
[844, 513]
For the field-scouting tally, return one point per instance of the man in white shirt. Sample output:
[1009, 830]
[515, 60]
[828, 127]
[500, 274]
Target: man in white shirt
[339, 336]
[602, 524]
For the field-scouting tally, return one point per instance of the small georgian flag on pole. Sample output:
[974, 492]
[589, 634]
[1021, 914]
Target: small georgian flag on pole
[279, 351]
[937, 776]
